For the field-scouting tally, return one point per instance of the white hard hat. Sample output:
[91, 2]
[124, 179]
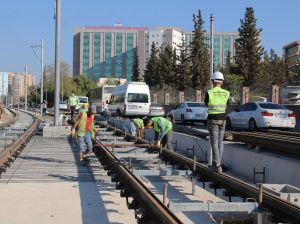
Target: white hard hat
[217, 76]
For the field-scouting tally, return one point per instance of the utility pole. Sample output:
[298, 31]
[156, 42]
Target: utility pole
[62, 88]
[211, 43]
[42, 74]
[26, 85]
[57, 62]
[19, 89]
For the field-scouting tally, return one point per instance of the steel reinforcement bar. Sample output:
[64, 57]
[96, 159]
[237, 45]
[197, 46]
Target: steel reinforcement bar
[284, 208]
[158, 211]
[8, 154]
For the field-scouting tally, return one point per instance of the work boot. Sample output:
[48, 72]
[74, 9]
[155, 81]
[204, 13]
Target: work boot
[86, 159]
[215, 167]
[83, 162]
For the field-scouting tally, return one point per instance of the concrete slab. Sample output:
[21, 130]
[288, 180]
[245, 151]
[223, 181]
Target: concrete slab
[58, 131]
[46, 185]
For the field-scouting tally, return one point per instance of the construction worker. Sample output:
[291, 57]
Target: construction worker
[44, 107]
[139, 125]
[163, 131]
[129, 127]
[216, 100]
[73, 102]
[84, 131]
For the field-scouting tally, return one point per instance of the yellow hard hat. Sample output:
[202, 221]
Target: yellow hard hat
[85, 105]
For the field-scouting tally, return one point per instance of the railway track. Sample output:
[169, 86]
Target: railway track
[15, 135]
[282, 211]
[276, 140]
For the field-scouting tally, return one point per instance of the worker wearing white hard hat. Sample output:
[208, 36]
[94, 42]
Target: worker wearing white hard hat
[216, 100]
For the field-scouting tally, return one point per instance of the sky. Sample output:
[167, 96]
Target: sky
[25, 22]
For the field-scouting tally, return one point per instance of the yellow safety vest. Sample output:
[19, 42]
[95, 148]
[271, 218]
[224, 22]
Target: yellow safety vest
[218, 99]
[166, 123]
[138, 122]
[72, 100]
[82, 126]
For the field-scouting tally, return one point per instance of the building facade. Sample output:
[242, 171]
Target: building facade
[223, 45]
[162, 36]
[108, 51]
[3, 83]
[291, 54]
[101, 52]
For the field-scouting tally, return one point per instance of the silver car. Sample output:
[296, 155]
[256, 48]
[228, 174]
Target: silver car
[254, 115]
[156, 110]
[190, 111]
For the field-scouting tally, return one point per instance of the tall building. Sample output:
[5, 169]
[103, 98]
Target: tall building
[162, 36]
[3, 83]
[291, 54]
[223, 44]
[16, 84]
[108, 51]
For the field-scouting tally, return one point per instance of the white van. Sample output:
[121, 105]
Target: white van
[130, 99]
[82, 100]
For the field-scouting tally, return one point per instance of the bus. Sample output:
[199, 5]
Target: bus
[130, 99]
[99, 97]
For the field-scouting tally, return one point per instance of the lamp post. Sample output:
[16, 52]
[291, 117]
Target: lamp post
[211, 43]
[42, 69]
[57, 62]
[26, 84]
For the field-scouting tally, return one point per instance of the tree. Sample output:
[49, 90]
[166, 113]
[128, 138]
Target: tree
[166, 66]
[199, 55]
[248, 48]
[135, 68]
[151, 76]
[83, 84]
[233, 83]
[183, 74]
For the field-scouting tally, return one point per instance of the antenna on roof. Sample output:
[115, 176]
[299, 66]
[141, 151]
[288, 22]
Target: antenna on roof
[118, 23]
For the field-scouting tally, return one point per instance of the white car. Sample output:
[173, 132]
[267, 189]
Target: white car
[254, 115]
[63, 106]
[156, 110]
[190, 111]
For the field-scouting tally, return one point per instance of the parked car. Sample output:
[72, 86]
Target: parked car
[190, 111]
[156, 110]
[63, 106]
[255, 115]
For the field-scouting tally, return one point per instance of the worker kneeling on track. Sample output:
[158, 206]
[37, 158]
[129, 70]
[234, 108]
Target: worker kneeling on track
[163, 131]
[84, 130]
[129, 127]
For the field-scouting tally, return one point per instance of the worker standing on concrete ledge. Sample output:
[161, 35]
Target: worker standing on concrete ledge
[216, 100]
[163, 131]
[84, 130]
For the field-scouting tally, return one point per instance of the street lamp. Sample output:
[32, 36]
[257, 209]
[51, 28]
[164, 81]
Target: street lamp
[42, 69]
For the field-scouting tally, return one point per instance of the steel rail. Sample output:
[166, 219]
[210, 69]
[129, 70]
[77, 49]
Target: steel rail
[159, 212]
[272, 142]
[13, 148]
[270, 201]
